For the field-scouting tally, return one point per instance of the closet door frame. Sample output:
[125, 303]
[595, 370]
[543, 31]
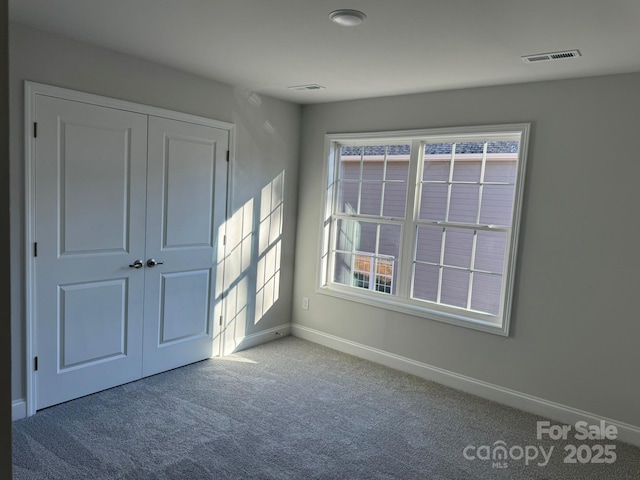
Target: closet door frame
[31, 91]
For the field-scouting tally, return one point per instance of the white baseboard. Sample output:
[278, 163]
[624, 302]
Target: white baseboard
[264, 336]
[18, 409]
[512, 398]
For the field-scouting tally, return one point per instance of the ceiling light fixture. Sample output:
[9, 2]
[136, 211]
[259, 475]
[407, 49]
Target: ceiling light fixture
[347, 18]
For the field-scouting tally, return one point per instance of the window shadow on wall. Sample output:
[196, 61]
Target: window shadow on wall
[248, 269]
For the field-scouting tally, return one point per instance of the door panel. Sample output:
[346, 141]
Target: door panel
[185, 306]
[93, 183]
[188, 189]
[90, 203]
[105, 336]
[187, 173]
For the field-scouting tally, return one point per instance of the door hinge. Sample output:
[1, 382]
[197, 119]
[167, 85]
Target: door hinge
[35, 364]
[224, 240]
[228, 155]
[35, 129]
[35, 249]
[220, 320]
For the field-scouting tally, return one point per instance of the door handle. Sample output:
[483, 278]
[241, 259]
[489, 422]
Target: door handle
[137, 264]
[152, 262]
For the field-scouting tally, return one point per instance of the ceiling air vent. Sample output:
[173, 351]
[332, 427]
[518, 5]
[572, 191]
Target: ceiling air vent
[312, 86]
[545, 57]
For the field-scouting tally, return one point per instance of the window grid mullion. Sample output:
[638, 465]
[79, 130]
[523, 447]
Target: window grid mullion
[414, 259]
[468, 226]
[446, 218]
[352, 252]
[409, 231]
[472, 267]
[475, 232]
[372, 262]
[384, 178]
[333, 221]
[450, 182]
[369, 218]
[462, 269]
[360, 179]
[481, 187]
[377, 252]
[441, 265]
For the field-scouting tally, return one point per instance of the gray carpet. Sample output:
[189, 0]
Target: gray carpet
[289, 409]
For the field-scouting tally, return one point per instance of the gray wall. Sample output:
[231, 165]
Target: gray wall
[575, 329]
[5, 280]
[266, 145]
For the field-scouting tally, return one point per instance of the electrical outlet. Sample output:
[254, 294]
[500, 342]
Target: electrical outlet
[305, 303]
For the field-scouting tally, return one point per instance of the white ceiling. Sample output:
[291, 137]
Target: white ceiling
[404, 46]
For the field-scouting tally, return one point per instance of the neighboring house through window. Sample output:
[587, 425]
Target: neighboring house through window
[426, 222]
[373, 272]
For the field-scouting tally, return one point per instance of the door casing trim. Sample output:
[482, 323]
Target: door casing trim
[31, 90]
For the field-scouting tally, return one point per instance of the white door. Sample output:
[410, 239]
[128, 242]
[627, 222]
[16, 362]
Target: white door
[90, 205]
[185, 211]
[106, 205]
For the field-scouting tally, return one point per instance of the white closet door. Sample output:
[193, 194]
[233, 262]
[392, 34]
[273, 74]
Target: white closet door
[187, 174]
[90, 226]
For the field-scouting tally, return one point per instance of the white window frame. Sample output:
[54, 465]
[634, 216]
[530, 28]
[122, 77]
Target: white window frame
[402, 301]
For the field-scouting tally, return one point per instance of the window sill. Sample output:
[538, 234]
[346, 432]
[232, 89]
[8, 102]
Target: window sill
[389, 303]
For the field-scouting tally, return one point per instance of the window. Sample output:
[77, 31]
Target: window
[426, 222]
